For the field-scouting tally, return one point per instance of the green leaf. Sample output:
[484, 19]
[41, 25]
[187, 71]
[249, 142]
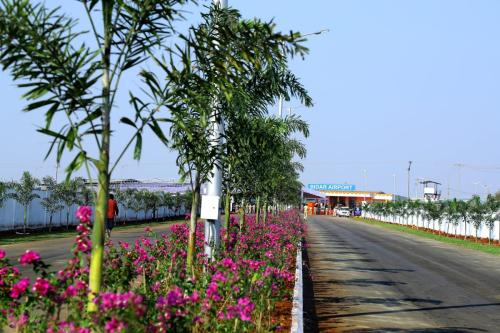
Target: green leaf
[76, 164]
[127, 121]
[138, 147]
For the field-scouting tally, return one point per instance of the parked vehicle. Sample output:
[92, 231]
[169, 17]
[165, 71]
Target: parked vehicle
[343, 212]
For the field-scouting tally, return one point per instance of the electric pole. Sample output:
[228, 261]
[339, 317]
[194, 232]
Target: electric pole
[409, 168]
[459, 166]
[214, 183]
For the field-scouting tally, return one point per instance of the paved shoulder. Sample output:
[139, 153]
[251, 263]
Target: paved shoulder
[368, 279]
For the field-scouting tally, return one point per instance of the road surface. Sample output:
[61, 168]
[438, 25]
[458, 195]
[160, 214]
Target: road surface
[56, 252]
[369, 279]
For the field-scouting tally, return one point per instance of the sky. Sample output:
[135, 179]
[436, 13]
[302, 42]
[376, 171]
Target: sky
[392, 82]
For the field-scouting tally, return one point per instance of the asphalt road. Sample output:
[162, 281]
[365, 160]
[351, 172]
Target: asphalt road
[57, 251]
[369, 279]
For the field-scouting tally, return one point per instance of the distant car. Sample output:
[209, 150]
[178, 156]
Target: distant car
[343, 211]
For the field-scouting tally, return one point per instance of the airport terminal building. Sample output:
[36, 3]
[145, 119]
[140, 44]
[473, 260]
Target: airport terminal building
[346, 195]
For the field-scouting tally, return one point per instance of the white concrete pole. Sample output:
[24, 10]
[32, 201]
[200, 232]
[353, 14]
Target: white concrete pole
[280, 107]
[214, 184]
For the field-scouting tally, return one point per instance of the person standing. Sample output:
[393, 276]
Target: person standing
[111, 213]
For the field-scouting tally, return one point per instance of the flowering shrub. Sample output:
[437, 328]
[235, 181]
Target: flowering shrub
[147, 287]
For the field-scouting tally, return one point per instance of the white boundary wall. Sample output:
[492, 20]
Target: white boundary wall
[11, 214]
[446, 226]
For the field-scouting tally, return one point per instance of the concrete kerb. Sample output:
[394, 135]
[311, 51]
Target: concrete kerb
[298, 299]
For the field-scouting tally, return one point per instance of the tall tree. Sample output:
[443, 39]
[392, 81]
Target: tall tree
[79, 81]
[3, 193]
[492, 214]
[68, 194]
[52, 202]
[23, 192]
[217, 57]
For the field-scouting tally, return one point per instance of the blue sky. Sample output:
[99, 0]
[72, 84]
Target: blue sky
[392, 81]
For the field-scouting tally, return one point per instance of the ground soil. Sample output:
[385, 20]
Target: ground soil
[282, 316]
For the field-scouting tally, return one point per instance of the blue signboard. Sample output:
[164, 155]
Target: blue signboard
[332, 187]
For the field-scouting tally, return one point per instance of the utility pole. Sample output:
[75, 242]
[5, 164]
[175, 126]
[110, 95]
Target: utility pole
[409, 168]
[366, 185]
[394, 175]
[214, 183]
[459, 166]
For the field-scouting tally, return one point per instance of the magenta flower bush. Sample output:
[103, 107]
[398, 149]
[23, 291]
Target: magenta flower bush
[147, 287]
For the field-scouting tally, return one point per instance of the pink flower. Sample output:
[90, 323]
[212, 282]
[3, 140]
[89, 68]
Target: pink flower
[114, 326]
[229, 263]
[245, 308]
[175, 297]
[212, 292]
[219, 277]
[29, 257]
[41, 286]
[2, 254]
[195, 297]
[71, 291]
[20, 287]
[84, 213]
[80, 285]
[83, 244]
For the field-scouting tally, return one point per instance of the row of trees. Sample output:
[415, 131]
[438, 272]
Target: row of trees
[472, 213]
[151, 202]
[59, 195]
[222, 73]
[63, 195]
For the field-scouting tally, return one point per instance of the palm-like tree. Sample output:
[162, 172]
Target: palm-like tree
[464, 212]
[453, 214]
[166, 202]
[69, 194]
[492, 207]
[3, 193]
[477, 211]
[151, 201]
[52, 202]
[127, 201]
[80, 81]
[23, 192]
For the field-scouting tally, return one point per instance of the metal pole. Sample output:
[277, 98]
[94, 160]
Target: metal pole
[459, 165]
[394, 175]
[280, 106]
[409, 168]
[214, 183]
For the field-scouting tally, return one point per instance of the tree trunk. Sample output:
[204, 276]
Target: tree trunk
[192, 224]
[50, 222]
[227, 216]
[96, 258]
[257, 210]
[241, 222]
[67, 217]
[25, 219]
[265, 213]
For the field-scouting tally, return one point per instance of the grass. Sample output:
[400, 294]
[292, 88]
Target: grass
[491, 249]
[16, 239]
